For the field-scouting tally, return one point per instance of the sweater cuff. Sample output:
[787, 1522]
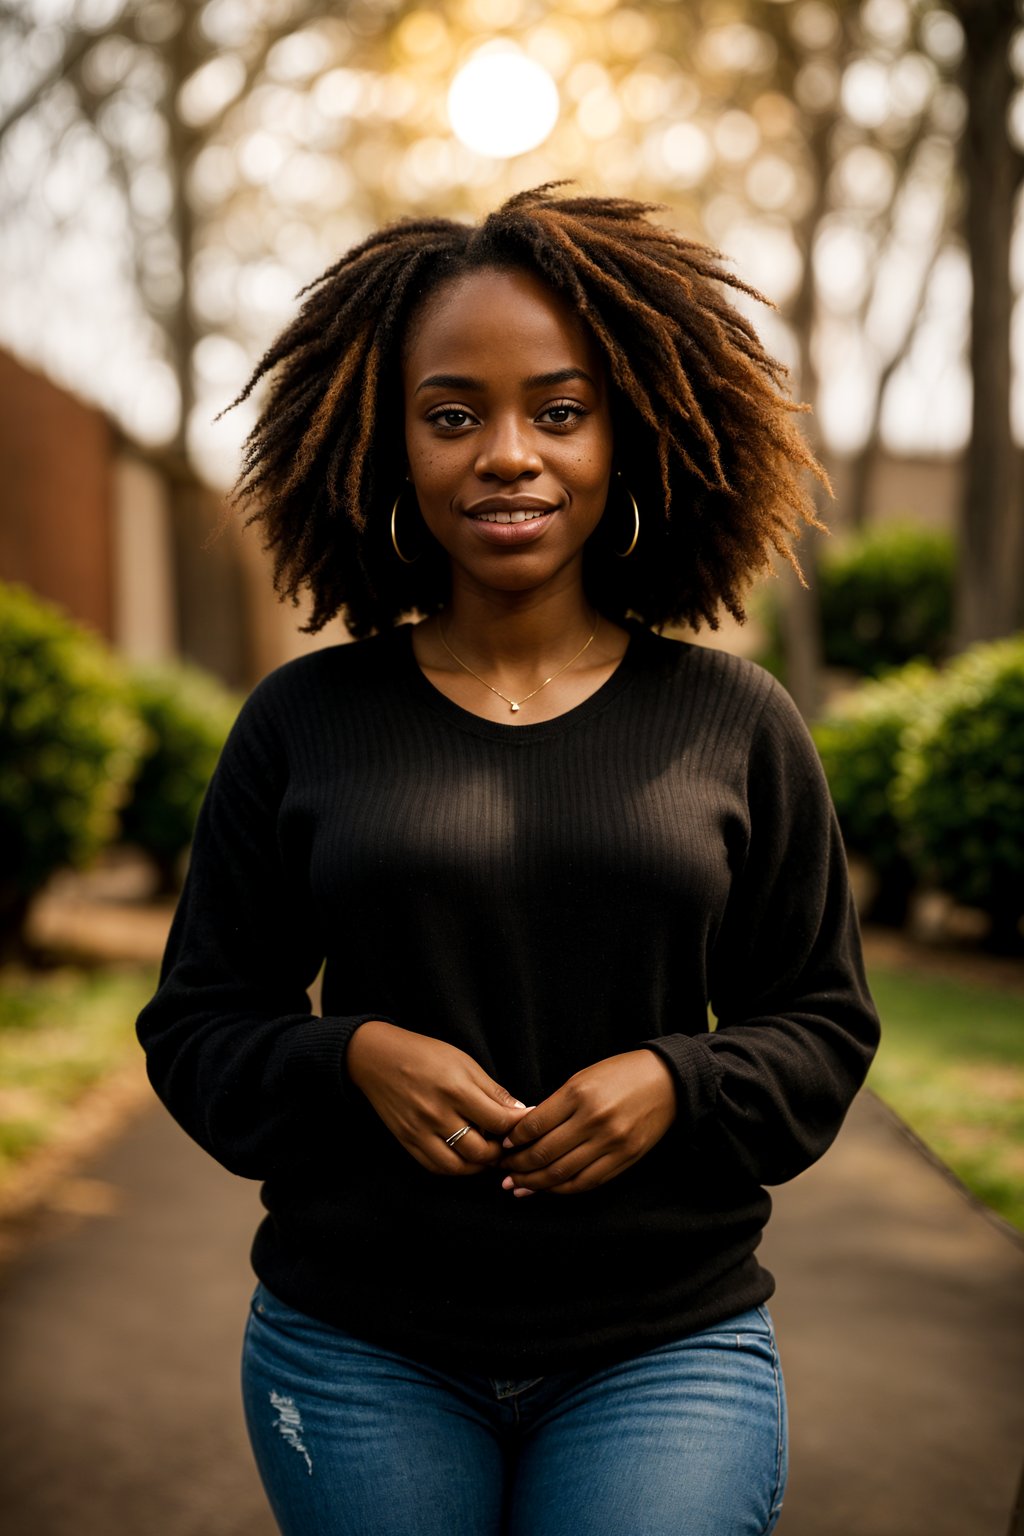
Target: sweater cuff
[324, 1047]
[342, 1037]
[696, 1070]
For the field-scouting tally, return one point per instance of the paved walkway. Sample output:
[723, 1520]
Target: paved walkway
[900, 1311]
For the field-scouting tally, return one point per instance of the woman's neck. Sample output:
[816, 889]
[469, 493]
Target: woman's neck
[518, 638]
[518, 658]
[517, 631]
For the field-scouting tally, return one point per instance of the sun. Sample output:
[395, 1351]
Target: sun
[502, 104]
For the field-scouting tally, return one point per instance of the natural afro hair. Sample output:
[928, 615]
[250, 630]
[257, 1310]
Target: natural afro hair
[704, 435]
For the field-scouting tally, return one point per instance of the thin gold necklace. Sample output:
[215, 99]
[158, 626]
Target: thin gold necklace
[515, 704]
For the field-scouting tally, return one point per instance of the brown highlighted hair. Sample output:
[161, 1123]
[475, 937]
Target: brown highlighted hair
[704, 435]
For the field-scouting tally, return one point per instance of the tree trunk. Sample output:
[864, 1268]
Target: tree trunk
[985, 598]
[801, 606]
[181, 59]
[858, 495]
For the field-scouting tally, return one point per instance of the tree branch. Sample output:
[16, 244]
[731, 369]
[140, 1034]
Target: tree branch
[857, 498]
[77, 47]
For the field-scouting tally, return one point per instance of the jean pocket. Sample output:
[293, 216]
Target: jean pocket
[767, 1321]
[270, 1309]
[742, 1329]
[261, 1300]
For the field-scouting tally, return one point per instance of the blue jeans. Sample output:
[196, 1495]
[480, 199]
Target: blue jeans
[688, 1439]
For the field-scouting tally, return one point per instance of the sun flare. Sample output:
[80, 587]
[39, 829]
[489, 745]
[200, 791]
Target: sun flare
[502, 104]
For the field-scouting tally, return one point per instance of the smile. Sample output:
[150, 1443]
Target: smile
[507, 517]
[509, 527]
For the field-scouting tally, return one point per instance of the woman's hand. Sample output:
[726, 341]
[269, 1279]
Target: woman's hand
[424, 1090]
[598, 1124]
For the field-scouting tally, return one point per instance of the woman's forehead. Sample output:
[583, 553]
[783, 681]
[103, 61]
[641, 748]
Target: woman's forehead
[494, 313]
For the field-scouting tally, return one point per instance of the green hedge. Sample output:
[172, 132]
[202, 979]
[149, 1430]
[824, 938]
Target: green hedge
[187, 715]
[859, 741]
[959, 786]
[886, 598]
[69, 744]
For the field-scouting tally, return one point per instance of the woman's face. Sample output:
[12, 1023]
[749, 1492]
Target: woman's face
[507, 430]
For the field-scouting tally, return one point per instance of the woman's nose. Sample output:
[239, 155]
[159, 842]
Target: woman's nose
[508, 451]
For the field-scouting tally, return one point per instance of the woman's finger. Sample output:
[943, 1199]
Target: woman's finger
[555, 1147]
[432, 1153]
[473, 1147]
[599, 1172]
[573, 1176]
[490, 1107]
[558, 1170]
[542, 1118]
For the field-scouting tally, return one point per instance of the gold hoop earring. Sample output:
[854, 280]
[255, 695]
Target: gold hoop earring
[405, 559]
[624, 554]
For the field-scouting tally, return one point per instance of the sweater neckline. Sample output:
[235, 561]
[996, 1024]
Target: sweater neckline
[494, 730]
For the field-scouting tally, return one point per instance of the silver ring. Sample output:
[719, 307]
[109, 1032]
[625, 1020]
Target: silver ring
[456, 1136]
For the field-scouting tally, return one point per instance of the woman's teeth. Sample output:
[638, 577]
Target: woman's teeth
[508, 517]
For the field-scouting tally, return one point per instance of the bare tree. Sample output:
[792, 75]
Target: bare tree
[858, 497]
[758, 62]
[806, 59]
[989, 593]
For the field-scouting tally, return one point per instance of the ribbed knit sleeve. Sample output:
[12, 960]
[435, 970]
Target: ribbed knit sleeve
[232, 1046]
[796, 1028]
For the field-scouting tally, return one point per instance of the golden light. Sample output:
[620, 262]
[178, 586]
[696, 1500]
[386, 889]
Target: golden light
[422, 34]
[502, 104]
[685, 153]
[555, 43]
[599, 114]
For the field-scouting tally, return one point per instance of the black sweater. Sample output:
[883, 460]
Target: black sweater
[542, 896]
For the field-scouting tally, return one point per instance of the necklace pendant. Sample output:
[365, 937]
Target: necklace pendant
[515, 707]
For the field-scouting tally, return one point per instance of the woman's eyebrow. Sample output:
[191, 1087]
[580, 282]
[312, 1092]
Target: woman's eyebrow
[560, 376]
[449, 381]
[535, 381]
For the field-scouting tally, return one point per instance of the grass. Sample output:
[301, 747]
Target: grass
[951, 1064]
[60, 1032]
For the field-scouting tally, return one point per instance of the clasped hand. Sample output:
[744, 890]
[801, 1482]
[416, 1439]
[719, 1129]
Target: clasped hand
[598, 1124]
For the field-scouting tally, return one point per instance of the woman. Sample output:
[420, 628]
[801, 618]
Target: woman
[514, 1181]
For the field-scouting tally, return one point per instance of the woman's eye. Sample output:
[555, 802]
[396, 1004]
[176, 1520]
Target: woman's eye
[451, 418]
[562, 415]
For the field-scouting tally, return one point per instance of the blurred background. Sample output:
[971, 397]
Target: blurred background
[172, 172]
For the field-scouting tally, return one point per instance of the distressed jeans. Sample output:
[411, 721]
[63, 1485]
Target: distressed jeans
[688, 1439]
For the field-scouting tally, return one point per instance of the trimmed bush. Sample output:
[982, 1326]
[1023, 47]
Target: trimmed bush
[959, 788]
[69, 743]
[858, 742]
[886, 599]
[187, 715]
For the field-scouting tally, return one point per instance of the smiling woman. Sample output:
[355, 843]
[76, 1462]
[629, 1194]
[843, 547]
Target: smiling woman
[511, 473]
[514, 1184]
[703, 435]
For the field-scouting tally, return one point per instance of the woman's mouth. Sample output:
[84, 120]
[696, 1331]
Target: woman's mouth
[509, 517]
[502, 527]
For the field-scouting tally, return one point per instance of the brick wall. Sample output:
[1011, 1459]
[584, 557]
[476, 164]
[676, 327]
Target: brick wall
[56, 530]
[116, 534]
